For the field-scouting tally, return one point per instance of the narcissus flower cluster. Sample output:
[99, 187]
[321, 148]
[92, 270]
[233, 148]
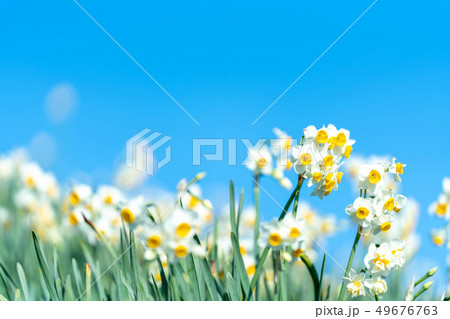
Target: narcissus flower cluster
[318, 157]
[441, 209]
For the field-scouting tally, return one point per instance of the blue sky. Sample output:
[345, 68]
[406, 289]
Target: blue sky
[386, 80]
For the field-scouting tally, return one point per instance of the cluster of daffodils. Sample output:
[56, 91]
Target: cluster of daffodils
[379, 262]
[272, 158]
[29, 193]
[318, 157]
[441, 209]
[374, 212]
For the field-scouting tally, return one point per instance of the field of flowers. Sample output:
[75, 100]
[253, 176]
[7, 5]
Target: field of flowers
[76, 242]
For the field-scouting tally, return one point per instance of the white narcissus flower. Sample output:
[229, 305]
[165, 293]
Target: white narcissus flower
[398, 250]
[260, 160]
[30, 174]
[379, 260]
[272, 234]
[370, 175]
[441, 208]
[396, 169]
[80, 194]
[181, 223]
[177, 248]
[377, 286]
[355, 287]
[439, 236]
[134, 211]
[362, 211]
[382, 222]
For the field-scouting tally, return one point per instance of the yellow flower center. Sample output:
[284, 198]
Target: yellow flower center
[73, 219]
[328, 177]
[322, 137]
[441, 209]
[74, 199]
[128, 215]
[193, 202]
[183, 229]
[385, 226]
[29, 181]
[374, 176]
[242, 250]
[399, 168]
[108, 200]
[329, 186]
[389, 205]
[275, 239]
[261, 162]
[287, 143]
[362, 212]
[341, 139]
[289, 164]
[294, 233]
[381, 259]
[297, 252]
[154, 241]
[348, 151]
[438, 240]
[328, 161]
[317, 176]
[332, 142]
[339, 177]
[181, 251]
[305, 159]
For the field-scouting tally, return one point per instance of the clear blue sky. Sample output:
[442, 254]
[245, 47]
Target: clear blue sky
[386, 80]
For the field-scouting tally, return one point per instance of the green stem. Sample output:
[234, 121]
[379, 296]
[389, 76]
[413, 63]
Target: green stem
[350, 262]
[295, 194]
[313, 273]
[256, 226]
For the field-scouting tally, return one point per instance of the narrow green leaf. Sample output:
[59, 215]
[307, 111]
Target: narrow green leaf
[255, 278]
[232, 209]
[231, 287]
[319, 297]
[2, 298]
[76, 273]
[17, 295]
[68, 295]
[192, 273]
[23, 282]
[51, 285]
[283, 296]
[178, 271]
[209, 280]
[239, 264]
[127, 285]
[313, 274]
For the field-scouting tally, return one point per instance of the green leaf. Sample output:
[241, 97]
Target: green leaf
[68, 295]
[283, 296]
[232, 209]
[127, 285]
[2, 298]
[209, 280]
[23, 282]
[164, 283]
[313, 274]
[232, 290]
[192, 273]
[76, 273]
[178, 271]
[255, 278]
[50, 284]
[239, 264]
[319, 297]
[17, 295]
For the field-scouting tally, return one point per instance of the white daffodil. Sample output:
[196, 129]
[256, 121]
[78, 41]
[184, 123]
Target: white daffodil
[48, 185]
[5, 218]
[398, 250]
[176, 248]
[181, 223]
[379, 260]
[30, 174]
[370, 175]
[133, 211]
[272, 234]
[396, 169]
[80, 194]
[355, 287]
[293, 230]
[362, 211]
[377, 286]
[441, 208]
[154, 238]
[76, 216]
[260, 160]
[304, 156]
[108, 195]
[439, 236]
[382, 222]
